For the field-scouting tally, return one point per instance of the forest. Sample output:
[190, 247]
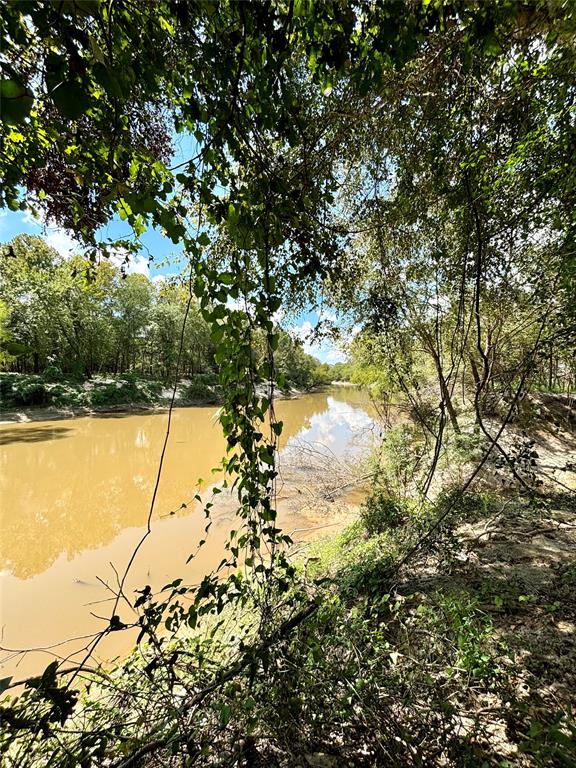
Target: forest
[408, 165]
[65, 326]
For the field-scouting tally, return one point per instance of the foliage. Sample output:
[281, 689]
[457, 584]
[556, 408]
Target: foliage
[381, 512]
[203, 388]
[4, 333]
[341, 372]
[30, 392]
[120, 392]
[52, 373]
[97, 321]
[104, 322]
[402, 451]
[414, 161]
[51, 390]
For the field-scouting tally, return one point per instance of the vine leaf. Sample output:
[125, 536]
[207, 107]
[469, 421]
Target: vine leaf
[71, 99]
[16, 101]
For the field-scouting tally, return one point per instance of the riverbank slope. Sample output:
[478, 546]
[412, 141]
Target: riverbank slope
[25, 398]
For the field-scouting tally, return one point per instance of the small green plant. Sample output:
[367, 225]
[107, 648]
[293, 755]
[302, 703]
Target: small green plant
[52, 373]
[6, 384]
[468, 629]
[382, 512]
[119, 393]
[467, 505]
[469, 446]
[552, 741]
[401, 449]
[31, 391]
[358, 563]
[365, 569]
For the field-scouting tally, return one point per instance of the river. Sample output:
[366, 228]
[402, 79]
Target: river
[75, 494]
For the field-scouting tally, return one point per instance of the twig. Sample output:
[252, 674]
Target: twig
[285, 628]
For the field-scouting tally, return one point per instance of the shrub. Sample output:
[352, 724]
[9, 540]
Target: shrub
[52, 373]
[151, 390]
[6, 387]
[31, 392]
[382, 512]
[126, 391]
[104, 394]
[199, 389]
[467, 505]
[365, 570]
[210, 379]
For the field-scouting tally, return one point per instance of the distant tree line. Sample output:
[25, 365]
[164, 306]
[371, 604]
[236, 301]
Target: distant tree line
[87, 320]
[56, 313]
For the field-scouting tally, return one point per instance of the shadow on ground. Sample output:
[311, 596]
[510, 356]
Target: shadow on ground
[518, 569]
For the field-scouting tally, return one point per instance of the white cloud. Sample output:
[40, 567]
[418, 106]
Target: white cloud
[56, 237]
[324, 349]
[243, 306]
[303, 332]
[132, 265]
[331, 317]
[62, 241]
[138, 265]
[30, 217]
[335, 356]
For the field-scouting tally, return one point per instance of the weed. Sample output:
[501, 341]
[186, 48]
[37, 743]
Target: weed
[382, 512]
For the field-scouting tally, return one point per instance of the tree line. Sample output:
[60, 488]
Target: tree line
[413, 163]
[83, 320]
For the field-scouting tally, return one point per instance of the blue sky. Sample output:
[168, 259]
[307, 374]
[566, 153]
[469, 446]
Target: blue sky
[158, 256]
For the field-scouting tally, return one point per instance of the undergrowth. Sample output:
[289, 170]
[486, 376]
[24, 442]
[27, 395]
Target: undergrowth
[52, 390]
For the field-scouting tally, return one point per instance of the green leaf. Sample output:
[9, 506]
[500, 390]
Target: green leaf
[16, 101]
[265, 455]
[5, 684]
[108, 80]
[225, 715]
[274, 303]
[70, 99]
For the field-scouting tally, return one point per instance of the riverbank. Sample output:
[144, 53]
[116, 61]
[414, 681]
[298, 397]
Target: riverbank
[391, 646]
[25, 416]
[465, 655]
[27, 398]
[462, 655]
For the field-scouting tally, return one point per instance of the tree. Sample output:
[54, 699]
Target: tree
[4, 333]
[417, 155]
[27, 286]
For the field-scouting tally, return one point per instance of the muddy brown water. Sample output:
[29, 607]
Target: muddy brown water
[75, 495]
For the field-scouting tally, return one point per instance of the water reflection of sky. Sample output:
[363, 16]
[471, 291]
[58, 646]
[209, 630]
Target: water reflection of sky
[341, 430]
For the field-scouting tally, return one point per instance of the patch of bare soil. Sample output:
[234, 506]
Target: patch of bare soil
[555, 441]
[519, 565]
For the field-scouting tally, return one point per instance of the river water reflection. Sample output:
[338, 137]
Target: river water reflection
[74, 498]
